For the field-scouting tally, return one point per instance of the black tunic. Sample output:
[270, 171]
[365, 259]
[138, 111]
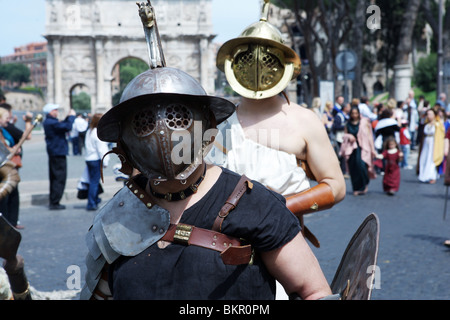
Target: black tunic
[191, 272]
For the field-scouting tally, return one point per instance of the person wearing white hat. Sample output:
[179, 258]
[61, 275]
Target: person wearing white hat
[49, 107]
[57, 150]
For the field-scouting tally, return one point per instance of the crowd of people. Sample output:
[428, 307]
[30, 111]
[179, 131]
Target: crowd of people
[77, 129]
[378, 139]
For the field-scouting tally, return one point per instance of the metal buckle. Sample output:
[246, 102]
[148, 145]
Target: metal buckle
[182, 233]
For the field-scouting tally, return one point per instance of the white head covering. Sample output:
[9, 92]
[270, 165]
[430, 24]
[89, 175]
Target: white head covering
[49, 107]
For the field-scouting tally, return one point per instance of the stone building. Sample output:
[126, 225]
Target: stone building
[87, 39]
[34, 56]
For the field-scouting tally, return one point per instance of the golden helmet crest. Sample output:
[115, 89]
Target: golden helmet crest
[258, 64]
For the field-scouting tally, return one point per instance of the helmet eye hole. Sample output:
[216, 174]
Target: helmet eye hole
[178, 117]
[144, 123]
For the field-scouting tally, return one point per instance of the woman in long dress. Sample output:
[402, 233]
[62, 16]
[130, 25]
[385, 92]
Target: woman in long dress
[359, 151]
[432, 149]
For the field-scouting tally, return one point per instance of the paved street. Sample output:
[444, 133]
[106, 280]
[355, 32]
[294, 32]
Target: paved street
[412, 260]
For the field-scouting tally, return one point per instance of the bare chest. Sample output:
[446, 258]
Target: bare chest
[278, 132]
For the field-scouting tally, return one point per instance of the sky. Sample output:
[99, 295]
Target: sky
[23, 21]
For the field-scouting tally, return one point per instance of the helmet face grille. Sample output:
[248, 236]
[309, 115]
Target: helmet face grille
[271, 70]
[178, 117]
[257, 68]
[144, 123]
[244, 69]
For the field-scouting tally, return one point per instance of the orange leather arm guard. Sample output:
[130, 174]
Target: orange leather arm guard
[319, 197]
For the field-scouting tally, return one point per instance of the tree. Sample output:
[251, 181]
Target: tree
[329, 25]
[325, 26]
[15, 72]
[404, 46]
[357, 40]
[128, 69]
[426, 72]
[431, 13]
[81, 101]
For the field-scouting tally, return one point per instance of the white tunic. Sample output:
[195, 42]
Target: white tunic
[427, 168]
[275, 169]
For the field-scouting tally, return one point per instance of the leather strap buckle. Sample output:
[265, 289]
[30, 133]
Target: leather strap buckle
[182, 233]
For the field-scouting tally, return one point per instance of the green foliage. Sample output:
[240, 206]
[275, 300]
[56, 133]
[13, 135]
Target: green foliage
[429, 96]
[15, 72]
[129, 69]
[391, 21]
[425, 74]
[127, 73]
[33, 90]
[81, 101]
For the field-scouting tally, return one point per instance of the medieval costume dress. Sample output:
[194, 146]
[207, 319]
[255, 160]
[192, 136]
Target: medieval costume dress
[391, 178]
[359, 153]
[431, 152]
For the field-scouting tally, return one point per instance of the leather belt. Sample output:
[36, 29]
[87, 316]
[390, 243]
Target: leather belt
[230, 248]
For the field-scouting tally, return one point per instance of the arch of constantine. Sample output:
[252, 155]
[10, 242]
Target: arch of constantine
[87, 39]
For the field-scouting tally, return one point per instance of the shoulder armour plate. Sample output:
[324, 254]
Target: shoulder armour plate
[127, 226]
[123, 226]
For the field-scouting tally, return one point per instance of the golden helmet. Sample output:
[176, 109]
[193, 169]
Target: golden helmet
[258, 64]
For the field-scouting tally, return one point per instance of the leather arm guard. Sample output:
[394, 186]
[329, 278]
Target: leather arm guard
[320, 197]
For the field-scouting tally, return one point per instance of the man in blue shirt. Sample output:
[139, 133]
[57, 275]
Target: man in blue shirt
[57, 150]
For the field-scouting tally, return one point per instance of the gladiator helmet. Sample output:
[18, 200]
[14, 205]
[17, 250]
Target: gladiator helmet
[258, 64]
[162, 116]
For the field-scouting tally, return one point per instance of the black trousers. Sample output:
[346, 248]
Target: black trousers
[57, 169]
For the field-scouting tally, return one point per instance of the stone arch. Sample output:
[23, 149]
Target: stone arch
[83, 88]
[115, 76]
[86, 39]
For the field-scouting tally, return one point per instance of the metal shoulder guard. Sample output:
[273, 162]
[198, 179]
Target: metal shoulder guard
[127, 225]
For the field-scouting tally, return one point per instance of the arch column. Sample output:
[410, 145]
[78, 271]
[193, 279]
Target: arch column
[57, 72]
[100, 104]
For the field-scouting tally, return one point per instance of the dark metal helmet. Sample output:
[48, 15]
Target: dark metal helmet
[161, 120]
[156, 86]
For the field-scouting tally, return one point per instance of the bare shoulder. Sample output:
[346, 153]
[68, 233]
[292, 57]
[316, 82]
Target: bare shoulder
[301, 114]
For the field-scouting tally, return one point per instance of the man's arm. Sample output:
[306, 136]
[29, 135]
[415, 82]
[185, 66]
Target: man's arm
[297, 269]
[321, 157]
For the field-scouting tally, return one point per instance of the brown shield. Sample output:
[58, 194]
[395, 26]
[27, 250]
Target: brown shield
[356, 272]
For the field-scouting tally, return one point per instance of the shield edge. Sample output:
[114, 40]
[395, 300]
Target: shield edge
[355, 235]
